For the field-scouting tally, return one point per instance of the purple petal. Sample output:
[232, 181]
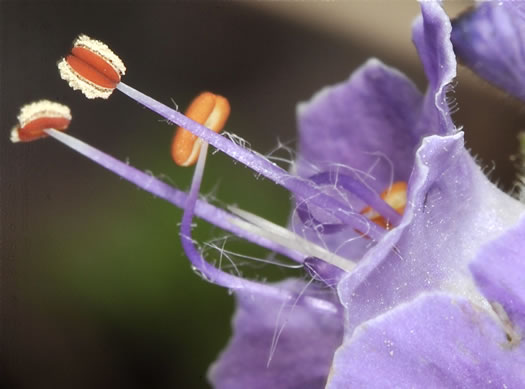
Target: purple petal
[431, 35]
[436, 341]
[379, 112]
[452, 210]
[303, 352]
[499, 271]
[491, 41]
[364, 127]
[364, 123]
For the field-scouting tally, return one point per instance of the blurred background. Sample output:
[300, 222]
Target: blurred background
[95, 289]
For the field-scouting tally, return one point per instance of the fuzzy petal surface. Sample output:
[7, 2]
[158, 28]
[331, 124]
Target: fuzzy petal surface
[452, 210]
[499, 271]
[301, 355]
[491, 41]
[436, 341]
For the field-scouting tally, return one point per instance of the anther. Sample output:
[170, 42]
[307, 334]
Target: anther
[396, 197]
[36, 117]
[91, 68]
[208, 109]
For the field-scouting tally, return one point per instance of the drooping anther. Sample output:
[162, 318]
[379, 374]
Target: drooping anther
[92, 68]
[208, 109]
[36, 117]
[396, 197]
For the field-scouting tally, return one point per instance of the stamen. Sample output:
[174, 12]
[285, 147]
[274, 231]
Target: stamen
[34, 118]
[222, 219]
[91, 68]
[149, 183]
[396, 197]
[208, 109]
[219, 277]
[213, 110]
[301, 188]
[289, 245]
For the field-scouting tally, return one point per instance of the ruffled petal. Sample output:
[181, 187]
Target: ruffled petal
[299, 357]
[431, 35]
[490, 40]
[364, 123]
[499, 271]
[436, 341]
[452, 210]
[378, 112]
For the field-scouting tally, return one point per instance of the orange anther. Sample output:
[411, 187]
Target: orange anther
[396, 197]
[208, 109]
[36, 117]
[92, 68]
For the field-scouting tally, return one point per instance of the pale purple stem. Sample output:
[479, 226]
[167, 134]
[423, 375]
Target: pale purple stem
[216, 275]
[305, 190]
[149, 183]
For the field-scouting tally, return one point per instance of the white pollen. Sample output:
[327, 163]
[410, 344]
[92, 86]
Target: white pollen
[102, 50]
[40, 109]
[14, 135]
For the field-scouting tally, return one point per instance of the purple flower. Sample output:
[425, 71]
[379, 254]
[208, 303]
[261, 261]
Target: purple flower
[414, 314]
[435, 297]
[490, 40]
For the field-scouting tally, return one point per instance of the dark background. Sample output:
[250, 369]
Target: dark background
[95, 289]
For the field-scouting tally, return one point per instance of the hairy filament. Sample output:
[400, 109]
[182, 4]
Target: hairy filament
[298, 186]
[217, 276]
[271, 240]
[208, 212]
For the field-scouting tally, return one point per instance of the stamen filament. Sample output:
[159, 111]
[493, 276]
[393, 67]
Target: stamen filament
[219, 217]
[219, 277]
[280, 234]
[301, 188]
[149, 183]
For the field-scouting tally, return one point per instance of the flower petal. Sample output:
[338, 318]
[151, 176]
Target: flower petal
[499, 271]
[452, 210]
[491, 41]
[364, 123]
[371, 125]
[431, 35]
[436, 341]
[303, 352]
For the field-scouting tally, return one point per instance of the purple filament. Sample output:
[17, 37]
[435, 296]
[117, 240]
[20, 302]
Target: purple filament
[149, 183]
[304, 189]
[219, 277]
